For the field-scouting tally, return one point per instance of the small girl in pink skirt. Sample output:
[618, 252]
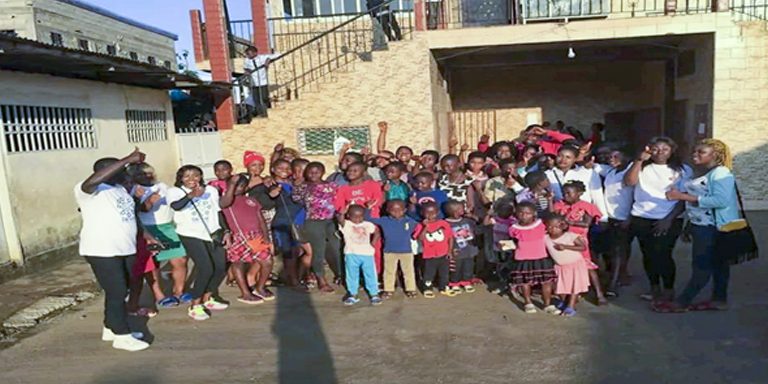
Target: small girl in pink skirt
[572, 273]
[250, 246]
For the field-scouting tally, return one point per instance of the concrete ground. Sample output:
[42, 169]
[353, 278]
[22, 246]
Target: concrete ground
[477, 338]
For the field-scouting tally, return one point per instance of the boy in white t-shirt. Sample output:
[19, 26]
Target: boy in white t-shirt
[108, 241]
[359, 237]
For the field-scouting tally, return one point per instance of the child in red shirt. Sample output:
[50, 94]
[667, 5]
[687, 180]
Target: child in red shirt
[366, 193]
[436, 238]
[580, 215]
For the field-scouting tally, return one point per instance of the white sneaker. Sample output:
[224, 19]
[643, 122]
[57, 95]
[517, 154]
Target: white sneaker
[198, 312]
[214, 305]
[108, 335]
[529, 308]
[129, 343]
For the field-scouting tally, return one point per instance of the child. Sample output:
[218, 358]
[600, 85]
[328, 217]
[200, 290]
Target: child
[572, 273]
[464, 248]
[506, 185]
[580, 215]
[250, 243]
[395, 188]
[436, 238]
[456, 185]
[397, 231]
[538, 192]
[428, 162]
[359, 237]
[223, 171]
[297, 170]
[502, 219]
[532, 266]
[426, 193]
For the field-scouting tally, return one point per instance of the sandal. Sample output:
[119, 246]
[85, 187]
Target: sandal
[386, 295]
[429, 294]
[410, 294]
[668, 307]
[144, 312]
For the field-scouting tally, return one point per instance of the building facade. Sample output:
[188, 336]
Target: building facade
[469, 67]
[78, 25]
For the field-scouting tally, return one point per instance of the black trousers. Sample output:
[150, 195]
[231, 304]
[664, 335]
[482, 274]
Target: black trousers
[261, 99]
[464, 270]
[113, 274]
[210, 265]
[389, 24]
[436, 266]
[657, 250]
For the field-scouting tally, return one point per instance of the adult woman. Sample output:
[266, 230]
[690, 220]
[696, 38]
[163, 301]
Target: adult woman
[320, 228]
[711, 202]
[157, 217]
[198, 224]
[655, 221]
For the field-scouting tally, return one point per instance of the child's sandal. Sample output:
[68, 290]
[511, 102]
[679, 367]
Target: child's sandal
[410, 294]
[386, 295]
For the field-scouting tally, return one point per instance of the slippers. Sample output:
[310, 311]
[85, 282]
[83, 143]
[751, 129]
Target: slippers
[667, 307]
[144, 312]
[707, 306]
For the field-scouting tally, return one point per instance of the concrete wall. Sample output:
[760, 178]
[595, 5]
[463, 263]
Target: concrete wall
[578, 94]
[37, 21]
[395, 87]
[41, 183]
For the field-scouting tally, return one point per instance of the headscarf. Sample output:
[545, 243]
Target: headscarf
[250, 157]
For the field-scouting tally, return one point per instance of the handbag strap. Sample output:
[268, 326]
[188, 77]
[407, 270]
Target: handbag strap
[237, 225]
[200, 215]
[738, 197]
[285, 207]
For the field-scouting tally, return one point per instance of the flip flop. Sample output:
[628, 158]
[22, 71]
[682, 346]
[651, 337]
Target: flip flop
[667, 307]
[705, 306]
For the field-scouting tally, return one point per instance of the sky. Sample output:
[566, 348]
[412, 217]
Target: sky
[170, 15]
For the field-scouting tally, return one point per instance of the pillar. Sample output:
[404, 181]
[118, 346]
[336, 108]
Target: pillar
[420, 15]
[260, 25]
[221, 64]
[197, 35]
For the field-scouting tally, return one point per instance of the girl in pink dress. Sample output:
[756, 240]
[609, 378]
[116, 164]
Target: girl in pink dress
[580, 215]
[532, 266]
[572, 274]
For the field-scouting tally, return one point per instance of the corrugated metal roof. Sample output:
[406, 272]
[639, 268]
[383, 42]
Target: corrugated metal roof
[122, 19]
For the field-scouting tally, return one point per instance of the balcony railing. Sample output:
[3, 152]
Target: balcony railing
[310, 62]
[750, 9]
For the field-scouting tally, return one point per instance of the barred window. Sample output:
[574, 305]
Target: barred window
[32, 128]
[146, 126]
[56, 39]
[320, 141]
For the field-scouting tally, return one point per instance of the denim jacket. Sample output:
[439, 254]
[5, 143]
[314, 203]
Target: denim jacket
[721, 196]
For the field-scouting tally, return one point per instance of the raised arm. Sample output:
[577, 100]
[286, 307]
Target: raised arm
[104, 174]
[381, 141]
[229, 196]
[632, 177]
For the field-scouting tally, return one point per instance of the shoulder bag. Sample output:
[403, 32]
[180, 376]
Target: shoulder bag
[735, 241]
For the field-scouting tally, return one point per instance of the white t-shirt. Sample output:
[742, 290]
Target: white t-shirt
[357, 238]
[259, 78]
[188, 221]
[109, 221]
[591, 180]
[650, 192]
[161, 212]
[618, 196]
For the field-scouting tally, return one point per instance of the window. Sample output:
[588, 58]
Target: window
[83, 44]
[28, 128]
[56, 39]
[320, 141]
[167, 64]
[151, 60]
[334, 7]
[111, 50]
[8, 32]
[146, 126]
[134, 56]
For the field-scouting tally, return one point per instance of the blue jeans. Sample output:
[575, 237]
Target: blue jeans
[353, 265]
[705, 264]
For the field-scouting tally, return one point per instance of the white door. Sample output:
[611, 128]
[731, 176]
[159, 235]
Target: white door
[201, 149]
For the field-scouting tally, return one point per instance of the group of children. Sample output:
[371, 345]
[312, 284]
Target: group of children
[517, 213]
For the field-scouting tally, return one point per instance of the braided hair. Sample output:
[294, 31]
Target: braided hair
[722, 152]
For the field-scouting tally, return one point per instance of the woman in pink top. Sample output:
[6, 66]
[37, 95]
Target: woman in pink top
[532, 266]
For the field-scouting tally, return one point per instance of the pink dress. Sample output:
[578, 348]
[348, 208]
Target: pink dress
[571, 268]
[576, 212]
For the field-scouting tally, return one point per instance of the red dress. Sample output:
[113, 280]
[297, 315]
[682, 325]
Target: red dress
[245, 224]
[576, 212]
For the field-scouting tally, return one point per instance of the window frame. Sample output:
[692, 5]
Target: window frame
[305, 148]
[46, 128]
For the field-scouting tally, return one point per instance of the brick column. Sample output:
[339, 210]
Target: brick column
[260, 25]
[221, 64]
[419, 14]
[197, 35]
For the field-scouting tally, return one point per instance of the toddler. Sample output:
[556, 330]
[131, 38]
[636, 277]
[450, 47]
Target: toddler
[397, 230]
[436, 238]
[464, 248]
[359, 237]
[572, 273]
